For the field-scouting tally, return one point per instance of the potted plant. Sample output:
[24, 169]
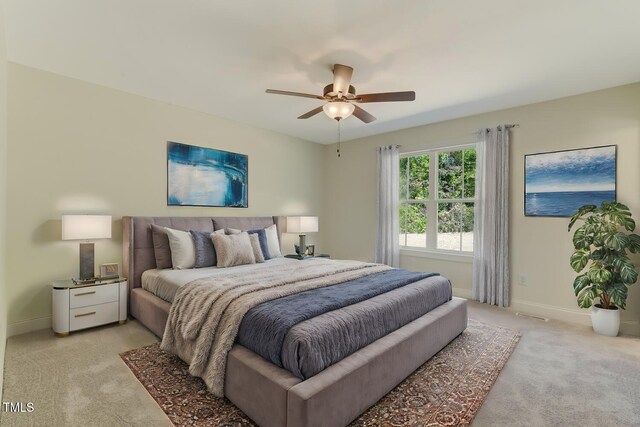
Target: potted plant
[601, 246]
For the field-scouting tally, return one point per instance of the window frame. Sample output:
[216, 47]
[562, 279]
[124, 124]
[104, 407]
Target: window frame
[431, 206]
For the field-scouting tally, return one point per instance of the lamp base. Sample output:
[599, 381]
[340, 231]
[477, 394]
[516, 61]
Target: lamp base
[87, 261]
[302, 246]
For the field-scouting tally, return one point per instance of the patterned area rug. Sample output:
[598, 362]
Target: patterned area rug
[447, 390]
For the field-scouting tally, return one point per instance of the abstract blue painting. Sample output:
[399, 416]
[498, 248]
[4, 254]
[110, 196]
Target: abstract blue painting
[198, 176]
[558, 183]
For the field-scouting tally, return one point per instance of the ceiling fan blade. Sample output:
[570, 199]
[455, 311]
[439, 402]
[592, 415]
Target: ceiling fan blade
[342, 78]
[386, 97]
[363, 115]
[311, 113]
[285, 92]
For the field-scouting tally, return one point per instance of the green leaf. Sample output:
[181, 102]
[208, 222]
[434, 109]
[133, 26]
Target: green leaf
[610, 228]
[630, 225]
[622, 218]
[617, 241]
[580, 239]
[634, 243]
[580, 283]
[579, 259]
[618, 294]
[580, 212]
[628, 273]
[599, 274]
[598, 254]
[586, 297]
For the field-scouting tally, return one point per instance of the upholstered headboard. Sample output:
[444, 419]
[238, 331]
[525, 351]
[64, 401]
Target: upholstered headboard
[137, 243]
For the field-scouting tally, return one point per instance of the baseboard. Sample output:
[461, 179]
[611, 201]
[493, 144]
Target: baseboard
[462, 293]
[630, 327]
[583, 317]
[552, 312]
[26, 326]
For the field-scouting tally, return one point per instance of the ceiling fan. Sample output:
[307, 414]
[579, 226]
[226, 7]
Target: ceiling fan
[341, 96]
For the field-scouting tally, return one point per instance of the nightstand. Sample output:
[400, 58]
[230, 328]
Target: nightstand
[300, 258]
[87, 305]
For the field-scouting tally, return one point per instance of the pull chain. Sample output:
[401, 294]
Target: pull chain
[338, 138]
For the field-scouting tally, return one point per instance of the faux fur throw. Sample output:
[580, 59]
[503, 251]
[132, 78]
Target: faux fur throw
[205, 315]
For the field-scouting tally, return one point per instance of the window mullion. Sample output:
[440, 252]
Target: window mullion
[432, 205]
[408, 197]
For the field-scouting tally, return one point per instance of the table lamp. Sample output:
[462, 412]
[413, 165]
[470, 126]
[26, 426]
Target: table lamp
[302, 224]
[86, 227]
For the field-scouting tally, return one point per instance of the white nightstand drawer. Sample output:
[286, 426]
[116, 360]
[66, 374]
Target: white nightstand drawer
[92, 295]
[87, 317]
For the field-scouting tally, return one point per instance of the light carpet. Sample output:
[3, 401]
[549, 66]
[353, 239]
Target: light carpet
[447, 390]
[560, 374]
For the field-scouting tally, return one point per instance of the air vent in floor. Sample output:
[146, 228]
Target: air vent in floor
[532, 316]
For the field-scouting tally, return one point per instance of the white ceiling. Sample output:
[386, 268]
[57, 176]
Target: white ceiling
[461, 57]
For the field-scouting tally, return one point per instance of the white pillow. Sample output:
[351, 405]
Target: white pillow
[183, 250]
[235, 249]
[273, 242]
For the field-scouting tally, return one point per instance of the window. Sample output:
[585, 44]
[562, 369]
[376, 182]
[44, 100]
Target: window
[437, 190]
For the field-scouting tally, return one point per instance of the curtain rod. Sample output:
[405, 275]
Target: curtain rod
[515, 125]
[442, 148]
[463, 145]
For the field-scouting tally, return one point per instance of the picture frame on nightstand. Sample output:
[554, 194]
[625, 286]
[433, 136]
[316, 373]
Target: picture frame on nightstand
[109, 271]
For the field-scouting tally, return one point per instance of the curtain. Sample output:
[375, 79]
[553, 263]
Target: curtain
[387, 243]
[491, 221]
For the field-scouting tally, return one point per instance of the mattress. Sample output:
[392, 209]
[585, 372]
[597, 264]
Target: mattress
[165, 283]
[316, 343]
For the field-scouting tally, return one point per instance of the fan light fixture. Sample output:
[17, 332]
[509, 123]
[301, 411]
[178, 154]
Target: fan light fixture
[340, 95]
[338, 110]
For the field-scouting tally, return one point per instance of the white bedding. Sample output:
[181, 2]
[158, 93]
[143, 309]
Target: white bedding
[165, 283]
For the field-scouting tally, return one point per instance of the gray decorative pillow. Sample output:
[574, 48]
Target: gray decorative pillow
[183, 251]
[205, 252]
[255, 244]
[233, 249]
[262, 235]
[161, 248]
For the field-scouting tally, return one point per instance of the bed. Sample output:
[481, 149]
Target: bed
[272, 395]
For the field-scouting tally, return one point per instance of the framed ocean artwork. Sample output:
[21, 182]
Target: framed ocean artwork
[198, 176]
[558, 183]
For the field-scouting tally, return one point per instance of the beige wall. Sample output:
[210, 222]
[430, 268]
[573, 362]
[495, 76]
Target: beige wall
[76, 147]
[3, 194]
[540, 247]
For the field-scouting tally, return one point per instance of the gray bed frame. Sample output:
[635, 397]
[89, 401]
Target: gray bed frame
[270, 395]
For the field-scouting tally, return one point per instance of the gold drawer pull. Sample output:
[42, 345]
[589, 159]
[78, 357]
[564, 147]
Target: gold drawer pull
[85, 314]
[85, 293]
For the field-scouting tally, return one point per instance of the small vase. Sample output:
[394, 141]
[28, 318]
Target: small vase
[605, 321]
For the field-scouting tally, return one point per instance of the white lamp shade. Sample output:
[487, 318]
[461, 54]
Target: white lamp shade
[338, 109]
[85, 227]
[302, 224]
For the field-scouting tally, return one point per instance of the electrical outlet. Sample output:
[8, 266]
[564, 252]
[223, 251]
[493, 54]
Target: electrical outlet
[522, 280]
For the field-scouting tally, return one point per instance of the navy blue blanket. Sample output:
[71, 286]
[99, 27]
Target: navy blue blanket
[264, 327]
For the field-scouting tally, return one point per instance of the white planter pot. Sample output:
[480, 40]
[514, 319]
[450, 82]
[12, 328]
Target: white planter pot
[605, 322]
